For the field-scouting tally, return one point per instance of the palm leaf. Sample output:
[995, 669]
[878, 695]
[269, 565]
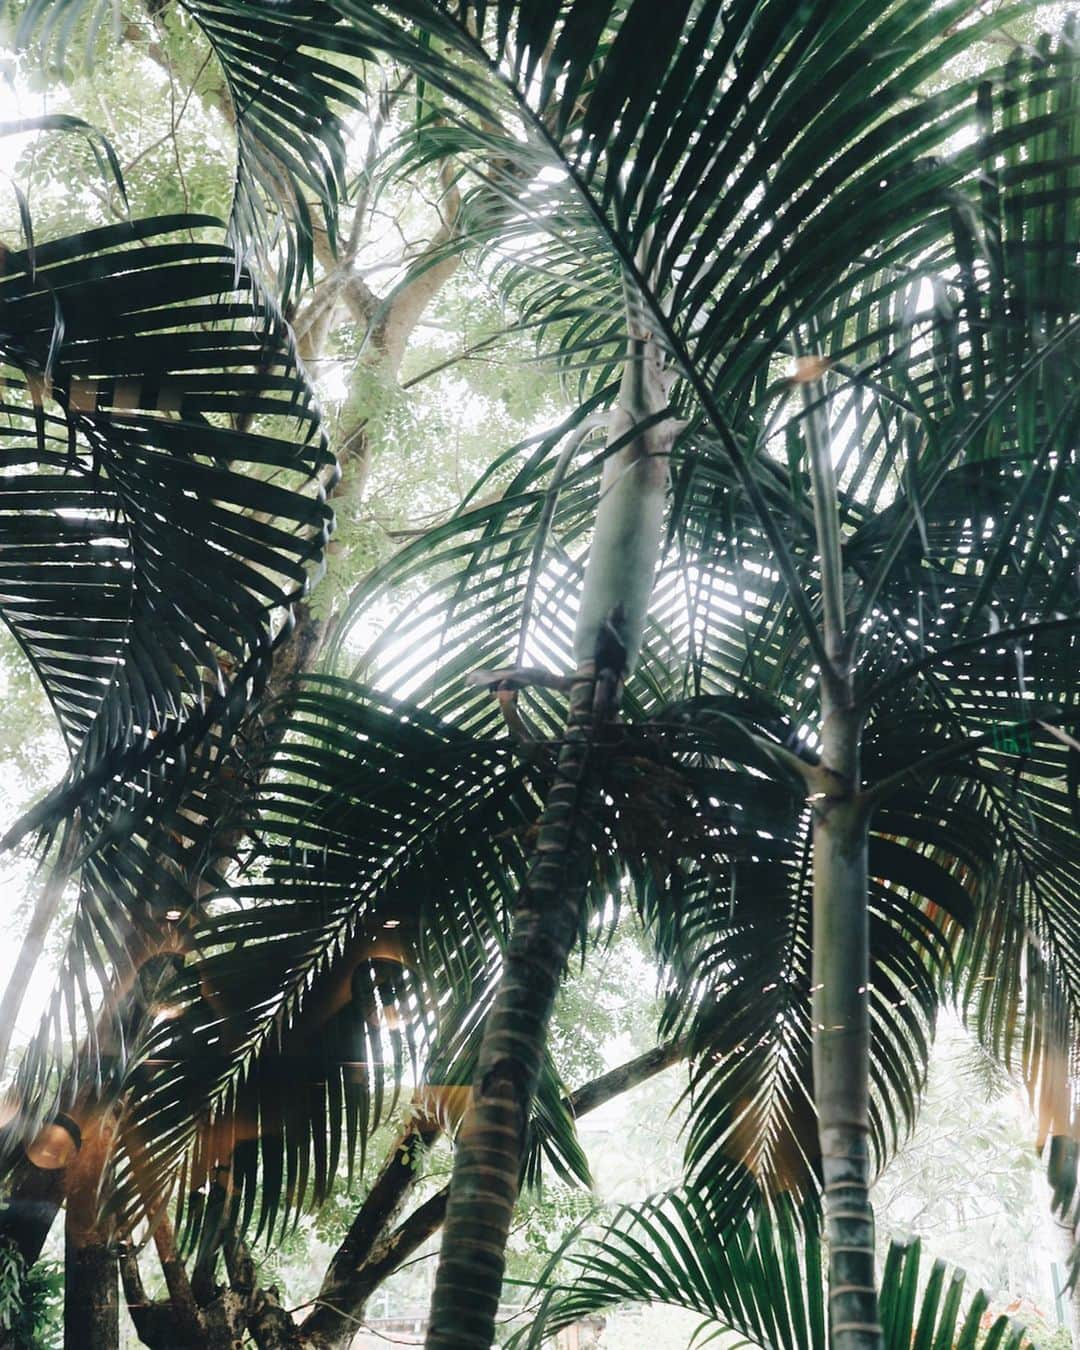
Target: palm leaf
[361, 942]
[137, 497]
[160, 511]
[291, 75]
[982, 533]
[761, 1279]
[772, 205]
[734, 934]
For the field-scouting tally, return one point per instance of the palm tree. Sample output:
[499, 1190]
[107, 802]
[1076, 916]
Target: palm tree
[701, 209]
[170, 513]
[155, 543]
[175, 852]
[938, 410]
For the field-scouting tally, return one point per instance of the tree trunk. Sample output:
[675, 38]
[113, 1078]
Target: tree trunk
[372, 1251]
[615, 596]
[841, 1031]
[35, 1197]
[490, 1142]
[358, 1265]
[91, 1284]
[334, 1327]
[91, 1296]
[621, 565]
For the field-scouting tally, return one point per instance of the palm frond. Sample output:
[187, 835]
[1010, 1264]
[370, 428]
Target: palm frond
[784, 201]
[292, 74]
[733, 927]
[761, 1278]
[161, 510]
[361, 934]
[154, 542]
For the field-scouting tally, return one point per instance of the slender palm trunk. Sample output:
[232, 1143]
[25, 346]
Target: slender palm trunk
[841, 1031]
[840, 961]
[490, 1143]
[615, 596]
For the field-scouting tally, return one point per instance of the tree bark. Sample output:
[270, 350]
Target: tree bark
[184, 1311]
[356, 1269]
[36, 1195]
[271, 1326]
[91, 1287]
[333, 1325]
[626, 1076]
[841, 1030]
[621, 566]
[91, 1296]
[491, 1140]
[618, 582]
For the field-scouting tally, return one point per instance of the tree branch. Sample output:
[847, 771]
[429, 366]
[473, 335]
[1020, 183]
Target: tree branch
[349, 1284]
[397, 1179]
[145, 1315]
[270, 1325]
[826, 526]
[176, 1279]
[809, 773]
[332, 1326]
[466, 354]
[345, 283]
[632, 1074]
[436, 265]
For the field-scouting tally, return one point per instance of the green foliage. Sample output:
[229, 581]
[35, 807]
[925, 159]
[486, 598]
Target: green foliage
[150, 558]
[967, 1179]
[748, 180]
[45, 1303]
[761, 1278]
[270, 85]
[12, 1272]
[496, 584]
[1050, 1338]
[30, 759]
[30, 1300]
[370, 967]
[610, 998]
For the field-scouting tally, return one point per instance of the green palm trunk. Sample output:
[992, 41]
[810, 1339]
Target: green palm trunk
[488, 1153]
[841, 1031]
[617, 587]
[840, 956]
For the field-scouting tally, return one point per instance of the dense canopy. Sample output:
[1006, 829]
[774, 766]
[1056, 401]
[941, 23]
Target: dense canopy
[742, 633]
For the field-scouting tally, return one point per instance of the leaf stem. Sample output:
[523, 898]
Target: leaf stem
[827, 529]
